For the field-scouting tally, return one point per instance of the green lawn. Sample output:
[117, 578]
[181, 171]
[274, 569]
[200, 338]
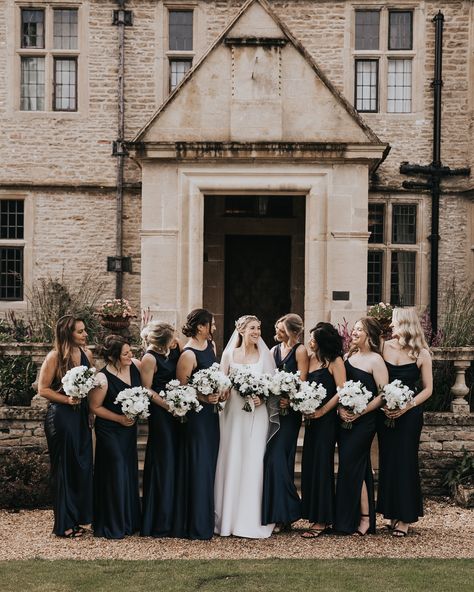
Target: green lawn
[291, 575]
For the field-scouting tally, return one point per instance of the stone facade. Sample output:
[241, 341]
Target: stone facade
[62, 163]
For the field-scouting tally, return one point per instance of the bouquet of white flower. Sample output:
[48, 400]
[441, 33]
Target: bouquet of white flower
[308, 398]
[248, 385]
[396, 396]
[211, 381]
[354, 397]
[181, 398]
[78, 381]
[135, 402]
[285, 384]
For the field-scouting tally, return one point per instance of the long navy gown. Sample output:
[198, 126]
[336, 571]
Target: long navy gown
[116, 494]
[317, 463]
[399, 493]
[159, 475]
[194, 510]
[354, 462]
[70, 449]
[280, 501]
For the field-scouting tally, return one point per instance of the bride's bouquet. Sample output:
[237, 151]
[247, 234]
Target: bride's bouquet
[181, 398]
[248, 385]
[209, 381]
[78, 381]
[134, 402]
[354, 397]
[396, 396]
[285, 384]
[308, 398]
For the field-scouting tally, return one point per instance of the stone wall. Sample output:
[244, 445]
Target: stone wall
[443, 437]
[442, 440]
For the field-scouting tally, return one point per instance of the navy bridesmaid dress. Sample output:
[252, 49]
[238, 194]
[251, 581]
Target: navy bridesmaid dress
[354, 463]
[116, 494]
[280, 501]
[399, 494]
[194, 515]
[159, 475]
[317, 464]
[70, 448]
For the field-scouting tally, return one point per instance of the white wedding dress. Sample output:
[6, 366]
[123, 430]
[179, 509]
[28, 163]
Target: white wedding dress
[239, 475]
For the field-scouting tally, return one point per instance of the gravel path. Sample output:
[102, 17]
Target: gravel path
[445, 532]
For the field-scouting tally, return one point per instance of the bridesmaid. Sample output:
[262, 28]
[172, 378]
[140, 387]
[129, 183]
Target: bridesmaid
[67, 430]
[157, 368]
[281, 504]
[116, 495]
[355, 505]
[408, 359]
[194, 518]
[326, 367]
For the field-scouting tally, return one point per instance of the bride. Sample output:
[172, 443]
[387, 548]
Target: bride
[239, 476]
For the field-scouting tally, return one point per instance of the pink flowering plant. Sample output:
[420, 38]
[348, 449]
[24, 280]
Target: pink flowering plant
[381, 311]
[116, 307]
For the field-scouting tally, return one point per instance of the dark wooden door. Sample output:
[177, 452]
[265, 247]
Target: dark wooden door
[257, 280]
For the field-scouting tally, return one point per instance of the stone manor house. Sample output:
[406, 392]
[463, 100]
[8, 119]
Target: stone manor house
[244, 156]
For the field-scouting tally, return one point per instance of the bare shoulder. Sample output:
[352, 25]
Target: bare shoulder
[377, 360]
[424, 357]
[148, 359]
[136, 362]
[301, 351]
[52, 358]
[102, 381]
[337, 363]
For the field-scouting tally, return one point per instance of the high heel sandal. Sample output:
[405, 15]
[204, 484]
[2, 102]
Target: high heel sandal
[364, 533]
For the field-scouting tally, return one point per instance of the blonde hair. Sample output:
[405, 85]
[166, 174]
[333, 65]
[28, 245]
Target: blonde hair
[241, 323]
[158, 335]
[410, 332]
[293, 324]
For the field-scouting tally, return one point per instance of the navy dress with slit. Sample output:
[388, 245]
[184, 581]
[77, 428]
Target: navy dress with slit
[317, 463]
[194, 515]
[399, 494]
[354, 462]
[162, 450]
[70, 449]
[280, 501]
[116, 494]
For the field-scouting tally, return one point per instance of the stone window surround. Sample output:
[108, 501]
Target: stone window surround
[17, 52]
[326, 238]
[416, 54]
[421, 247]
[164, 55]
[27, 243]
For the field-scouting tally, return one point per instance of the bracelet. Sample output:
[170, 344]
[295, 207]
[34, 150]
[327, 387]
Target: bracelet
[413, 403]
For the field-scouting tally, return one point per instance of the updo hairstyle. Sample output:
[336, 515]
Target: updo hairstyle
[112, 348]
[241, 323]
[329, 342]
[198, 316]
[158, 336]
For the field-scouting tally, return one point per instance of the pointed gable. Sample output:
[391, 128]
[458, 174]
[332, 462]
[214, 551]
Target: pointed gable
[257, 84]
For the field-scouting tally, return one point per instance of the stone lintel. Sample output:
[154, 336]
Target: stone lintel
[303, 151]
[256, 41]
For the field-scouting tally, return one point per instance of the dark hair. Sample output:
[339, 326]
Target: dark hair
[374, 334]
[112, 348]
[63, 342]
[329, 342]
[198, 316]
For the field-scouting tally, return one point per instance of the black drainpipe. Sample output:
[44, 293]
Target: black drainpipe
[435, 171]
[118, 264]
